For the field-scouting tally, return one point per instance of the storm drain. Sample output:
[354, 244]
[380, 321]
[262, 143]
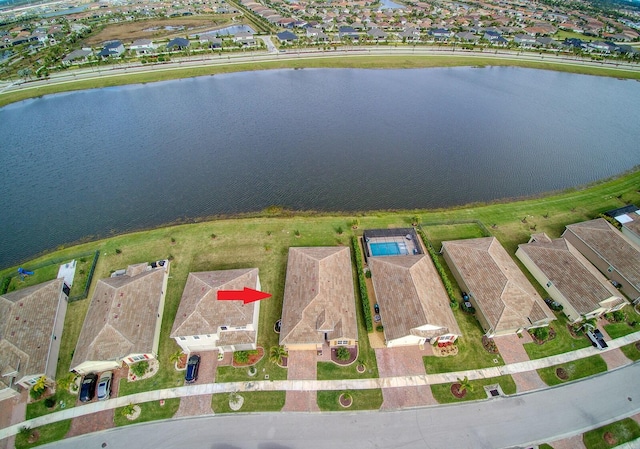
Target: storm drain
[493, 391]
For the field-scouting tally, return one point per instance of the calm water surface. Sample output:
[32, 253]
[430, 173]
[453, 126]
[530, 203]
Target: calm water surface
[117, 159]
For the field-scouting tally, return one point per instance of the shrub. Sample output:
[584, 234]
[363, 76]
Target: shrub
[441, 271]
[364, 296]
[339, 230]
[241, 356]
[541, 333]
[50, 401]
[379, 328]
[367, 274]
[343, 353]
[118, 251]
[140, 368]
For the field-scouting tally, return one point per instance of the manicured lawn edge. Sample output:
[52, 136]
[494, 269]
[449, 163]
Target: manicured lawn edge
[575, 370]
[623, 431]
[48, 434]
[254, 401]
[631, 351]
[362, 400]
[442, 392]
[150, 411]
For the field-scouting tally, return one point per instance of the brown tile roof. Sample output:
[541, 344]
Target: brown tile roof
[503, 294]
[410, 294]
[571, 273]
[121, 319]
[27, 319]
[200, 312]
[318, 296]
[611, 245]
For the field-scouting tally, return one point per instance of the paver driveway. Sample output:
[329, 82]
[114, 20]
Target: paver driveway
[301, 365]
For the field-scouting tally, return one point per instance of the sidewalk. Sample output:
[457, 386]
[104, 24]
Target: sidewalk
[316, 385]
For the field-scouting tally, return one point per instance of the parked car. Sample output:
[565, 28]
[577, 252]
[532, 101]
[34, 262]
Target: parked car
[193, 364]
[104, 385]
[597, 339]
[553, 305]
[376, 308]
[88, 387]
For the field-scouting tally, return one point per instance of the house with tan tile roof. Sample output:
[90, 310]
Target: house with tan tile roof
[613, 253]
[505, 300]
[414, 306]
[203, 323]
[319, 306]
[123, 320]
[629, 219]
[569, 278]
[31, 323]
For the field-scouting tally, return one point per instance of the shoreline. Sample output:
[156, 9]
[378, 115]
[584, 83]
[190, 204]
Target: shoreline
[276, 212]
[365, 58]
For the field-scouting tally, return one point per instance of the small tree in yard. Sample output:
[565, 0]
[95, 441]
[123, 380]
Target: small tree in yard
[128, 410]
[465, 384]
[343, 353]
[140, 368]
[241, 356]
[276, 354]
[175, 356]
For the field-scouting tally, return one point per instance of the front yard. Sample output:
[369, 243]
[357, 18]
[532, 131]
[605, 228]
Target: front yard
[577, 369]
[328, 401]
[253, 401]
[613, 434]
[442, 392]
[561, 343]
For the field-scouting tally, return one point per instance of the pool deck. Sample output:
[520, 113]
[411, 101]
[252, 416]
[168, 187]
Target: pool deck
[409, 244]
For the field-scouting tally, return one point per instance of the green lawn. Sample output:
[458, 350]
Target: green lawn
[631, 351]
[264, 367]
[563, 341]
[150, 411]
[616, 330]
[362, 400]
[437, 233]
[35, 409]
[622, 431]
[48, 434]
[471, 353]
[40, 275]
[575, 370]
[254, 401]
[442, 392]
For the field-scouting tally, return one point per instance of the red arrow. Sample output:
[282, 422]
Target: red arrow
[246, 296]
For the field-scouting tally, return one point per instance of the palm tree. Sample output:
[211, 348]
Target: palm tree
[41, 384]
[277, 353]
[175, 356]
[465, 384]
[355, 223]
[415, 220]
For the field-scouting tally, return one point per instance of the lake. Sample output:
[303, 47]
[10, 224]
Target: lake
[111, 160]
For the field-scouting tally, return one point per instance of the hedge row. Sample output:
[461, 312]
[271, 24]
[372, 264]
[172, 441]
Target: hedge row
[362, 283]
[443, 274]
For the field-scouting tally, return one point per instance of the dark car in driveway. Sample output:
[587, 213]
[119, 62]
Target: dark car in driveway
[192, 369]
[597, 339]
[88, 387]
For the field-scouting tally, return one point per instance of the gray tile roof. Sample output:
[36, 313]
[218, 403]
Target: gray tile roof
[503, 294]
[27, 319]
[571, 273]
[122, 316]
[200, 312]
[410, 294]
[611, 245]
[318, 296]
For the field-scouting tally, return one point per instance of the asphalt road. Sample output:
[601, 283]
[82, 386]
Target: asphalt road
[505, 422]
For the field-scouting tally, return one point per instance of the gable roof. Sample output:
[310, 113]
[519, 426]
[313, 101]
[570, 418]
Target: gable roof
[503, 294]
[27, 321]
[318, 296]
[200, 312]
[410, 294]
[612, 246]
[570, 272]
[122, 316]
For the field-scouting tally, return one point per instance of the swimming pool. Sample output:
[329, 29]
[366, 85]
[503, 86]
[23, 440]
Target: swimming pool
[387, 249]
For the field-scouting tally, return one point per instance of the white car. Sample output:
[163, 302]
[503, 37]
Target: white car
[104, 385]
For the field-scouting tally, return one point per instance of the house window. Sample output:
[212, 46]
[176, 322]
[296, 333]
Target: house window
[223, 328]
[196, 337]
[549, 284]
[610, 269]
[183, 338]
[137, 358]
[342, 342]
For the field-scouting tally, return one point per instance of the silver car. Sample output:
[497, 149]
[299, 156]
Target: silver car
[104, 385]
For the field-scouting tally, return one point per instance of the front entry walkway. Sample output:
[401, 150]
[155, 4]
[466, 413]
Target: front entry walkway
[302, 365]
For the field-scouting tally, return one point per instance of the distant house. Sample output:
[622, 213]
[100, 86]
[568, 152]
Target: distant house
[178, 43]
[467, 36]
[287, 37]
[348, 32]
[319, 309]
[525, 40]
[629, 219]
[414, 306]
[112, 49]
[441, 33]
[203, 323]
[214, 42]
[77, 56]
[377, 34]
[143, 46]
[123, 320]
[31, 323]
[612, 252]
[547, 41]
[494, 37]
[569, 278]
[317, 35]
[244, 38]
[504, 298]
